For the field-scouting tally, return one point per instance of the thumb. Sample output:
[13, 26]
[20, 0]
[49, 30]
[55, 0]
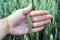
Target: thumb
[28, 9]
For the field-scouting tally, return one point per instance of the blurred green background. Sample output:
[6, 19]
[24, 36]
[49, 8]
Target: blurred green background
[51, 31]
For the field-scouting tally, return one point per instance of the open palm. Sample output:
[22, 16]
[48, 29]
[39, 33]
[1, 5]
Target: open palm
[18, 22]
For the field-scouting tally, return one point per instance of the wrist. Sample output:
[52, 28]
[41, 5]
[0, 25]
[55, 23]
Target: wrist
[4, 27]
[6, 24]
[10, 23]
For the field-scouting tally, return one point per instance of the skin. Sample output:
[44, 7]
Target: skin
[16, 23]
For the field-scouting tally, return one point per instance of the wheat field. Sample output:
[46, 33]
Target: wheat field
[51, 31]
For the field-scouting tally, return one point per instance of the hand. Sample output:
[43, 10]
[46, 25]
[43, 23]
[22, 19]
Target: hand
[18, 23]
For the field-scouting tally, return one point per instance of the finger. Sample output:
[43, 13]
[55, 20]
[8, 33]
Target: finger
[36, 13]
[28, 9]
[34, 29]
[37, 24]
[41, 23]
[39, 18]
[38, 29]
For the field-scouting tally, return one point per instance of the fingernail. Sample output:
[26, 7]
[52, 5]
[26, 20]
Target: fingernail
[49, 16]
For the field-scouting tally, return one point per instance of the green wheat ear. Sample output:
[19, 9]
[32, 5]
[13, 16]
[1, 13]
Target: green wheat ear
[30, 26]
[30, 22]
[33, 7]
